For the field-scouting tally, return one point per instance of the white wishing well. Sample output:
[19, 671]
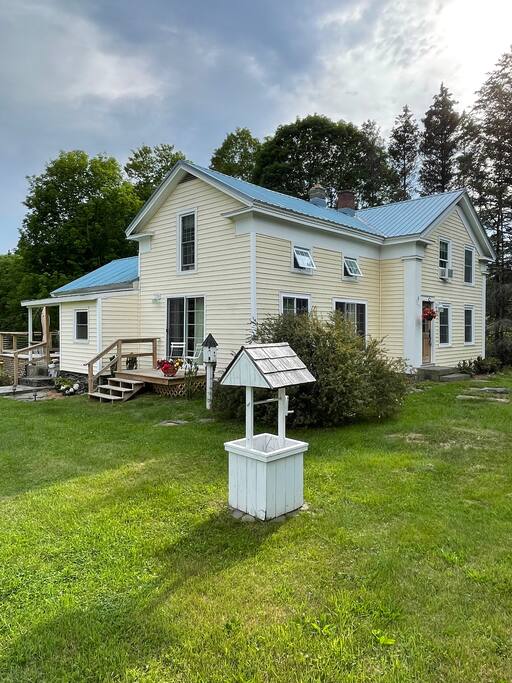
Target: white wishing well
[266, 471]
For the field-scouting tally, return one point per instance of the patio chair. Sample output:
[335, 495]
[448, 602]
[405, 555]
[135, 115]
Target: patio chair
[177, 349]
[190, 361]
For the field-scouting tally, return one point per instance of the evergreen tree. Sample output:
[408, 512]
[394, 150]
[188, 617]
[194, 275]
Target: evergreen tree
[381, 182]
[237, 154]
[147, 167]
[403, 151]
[438, 144]
[494, 185]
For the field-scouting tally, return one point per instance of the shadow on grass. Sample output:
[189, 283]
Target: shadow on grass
[123, 629]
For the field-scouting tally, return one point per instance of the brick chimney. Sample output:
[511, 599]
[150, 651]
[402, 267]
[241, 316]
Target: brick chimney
[317, 195]
[347, 202]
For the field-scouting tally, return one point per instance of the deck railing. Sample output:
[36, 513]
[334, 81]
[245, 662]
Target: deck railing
[117, 358]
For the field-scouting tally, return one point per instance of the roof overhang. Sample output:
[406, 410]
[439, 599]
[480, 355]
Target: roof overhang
[71, 298]
[119, 286]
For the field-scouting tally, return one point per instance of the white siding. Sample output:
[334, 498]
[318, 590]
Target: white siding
[222, 274]
[120, 317]
[454, 292]
[74, 353]
[392, 306]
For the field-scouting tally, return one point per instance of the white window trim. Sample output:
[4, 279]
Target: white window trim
[450, 331]
[350, 278]
[179, 216]
[303, 271]
[181, 295]
[81, 310]
[450, 255]
[468, 247]
[342, 300]
[469, 307]
[293, 295]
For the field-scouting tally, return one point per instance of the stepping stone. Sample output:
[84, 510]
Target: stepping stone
[482, 399]
[247, 518]
[172, 423]
[455, 377]
[237, 514]
[491, 390]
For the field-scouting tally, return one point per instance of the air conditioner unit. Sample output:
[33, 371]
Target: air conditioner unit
[445, 273]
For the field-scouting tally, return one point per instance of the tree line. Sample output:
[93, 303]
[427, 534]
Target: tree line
[79, 206]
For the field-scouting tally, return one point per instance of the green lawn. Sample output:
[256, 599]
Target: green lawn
[119, 560]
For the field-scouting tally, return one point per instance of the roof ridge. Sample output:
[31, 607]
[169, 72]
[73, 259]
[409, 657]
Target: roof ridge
[413, 199]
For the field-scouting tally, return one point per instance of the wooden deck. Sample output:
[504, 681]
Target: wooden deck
[151, 376]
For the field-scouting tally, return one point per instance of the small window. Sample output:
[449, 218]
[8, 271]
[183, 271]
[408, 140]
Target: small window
[354, 313]
[351, 267]
[82, 325]
[302, 259]
[188, 242]
[468, 325]
[444, 325]
[444, 254]
[295, 305]
[469, 268]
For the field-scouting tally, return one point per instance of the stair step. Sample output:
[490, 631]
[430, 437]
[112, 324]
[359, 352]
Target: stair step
[115, 388]
[107, 397]
[133, 382]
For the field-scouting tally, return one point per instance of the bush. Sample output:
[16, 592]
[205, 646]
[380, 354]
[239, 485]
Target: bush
[354, 381]
[5, 380]
[480, 366]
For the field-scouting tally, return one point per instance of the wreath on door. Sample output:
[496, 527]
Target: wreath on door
[428, 313]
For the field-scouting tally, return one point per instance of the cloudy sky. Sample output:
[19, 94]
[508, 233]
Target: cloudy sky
[109, 75]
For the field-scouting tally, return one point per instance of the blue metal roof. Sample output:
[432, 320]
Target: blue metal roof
[284, 201]
[113, 275]
[409, 217]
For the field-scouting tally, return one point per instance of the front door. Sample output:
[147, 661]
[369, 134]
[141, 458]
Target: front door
[426, 337]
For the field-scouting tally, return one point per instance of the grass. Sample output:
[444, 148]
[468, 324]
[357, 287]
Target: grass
[119, 560]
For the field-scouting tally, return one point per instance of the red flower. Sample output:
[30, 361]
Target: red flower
[428, 313]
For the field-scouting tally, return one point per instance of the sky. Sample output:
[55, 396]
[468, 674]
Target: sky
[106, 76]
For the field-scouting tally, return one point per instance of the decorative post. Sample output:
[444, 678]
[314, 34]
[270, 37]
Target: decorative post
[210, 360]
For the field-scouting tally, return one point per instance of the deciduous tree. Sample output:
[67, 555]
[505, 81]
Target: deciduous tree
[237, 154]
[147, 167]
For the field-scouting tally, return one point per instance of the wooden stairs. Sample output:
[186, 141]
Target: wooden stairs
[116, 389]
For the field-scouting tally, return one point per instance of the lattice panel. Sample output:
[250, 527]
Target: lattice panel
[179, 389]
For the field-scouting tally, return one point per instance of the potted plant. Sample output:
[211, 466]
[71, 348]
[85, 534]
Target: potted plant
[169, 367]
[428, 313]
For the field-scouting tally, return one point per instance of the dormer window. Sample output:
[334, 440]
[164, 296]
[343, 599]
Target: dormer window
[351, 267]
[303, 259]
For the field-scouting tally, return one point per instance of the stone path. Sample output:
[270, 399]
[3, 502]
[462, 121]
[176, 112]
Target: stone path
[486, 395]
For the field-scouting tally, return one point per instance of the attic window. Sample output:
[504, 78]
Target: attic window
[351, 267]
[302, 259]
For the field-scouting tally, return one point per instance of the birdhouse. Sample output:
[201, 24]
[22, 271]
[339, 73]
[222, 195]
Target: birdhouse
[210, 350]
[266, 470]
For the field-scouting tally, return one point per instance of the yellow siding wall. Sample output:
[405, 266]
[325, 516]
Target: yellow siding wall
[275, 275]
[73, 354]
[392, 306]
[454, 292]
[120, 317]
[222, 276]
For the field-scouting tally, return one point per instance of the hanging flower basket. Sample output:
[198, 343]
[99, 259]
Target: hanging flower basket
[169, 367]
[428, 313]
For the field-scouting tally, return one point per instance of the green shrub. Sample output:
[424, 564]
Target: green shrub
[480, 366]
[354, 381]
[5, 380]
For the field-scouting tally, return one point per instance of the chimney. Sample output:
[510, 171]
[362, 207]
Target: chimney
[347, 202]
[317, 195]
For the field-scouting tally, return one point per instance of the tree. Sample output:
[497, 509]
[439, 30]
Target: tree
[147, 167]
[78, 209]
[380, 180]
[438, 144]
[403, 151]
[493, 184]
[317, 149]
[236, 156]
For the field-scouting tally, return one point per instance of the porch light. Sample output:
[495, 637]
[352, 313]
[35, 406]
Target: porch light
[156, 298]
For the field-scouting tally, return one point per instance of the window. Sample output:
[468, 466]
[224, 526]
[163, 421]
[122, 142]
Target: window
[444, 254]
[469, 268]
[353, 312]
[81, 325]
[302, 259]
[187, 242]
[351, 267]
[469, 325]
[185, 325]
[295, 305]
[444, 325]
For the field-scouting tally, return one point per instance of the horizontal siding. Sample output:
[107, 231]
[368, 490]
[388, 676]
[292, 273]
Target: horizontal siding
[120, 317]
[392, 306]
[275, 275]
[454, 292]
[73, 354]
[222, 276]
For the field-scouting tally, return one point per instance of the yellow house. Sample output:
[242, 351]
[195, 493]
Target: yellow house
[217, 253]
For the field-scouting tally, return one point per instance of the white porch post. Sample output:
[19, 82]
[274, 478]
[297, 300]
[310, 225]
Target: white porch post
[484, 271]
[412, 310]
[30, 330]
